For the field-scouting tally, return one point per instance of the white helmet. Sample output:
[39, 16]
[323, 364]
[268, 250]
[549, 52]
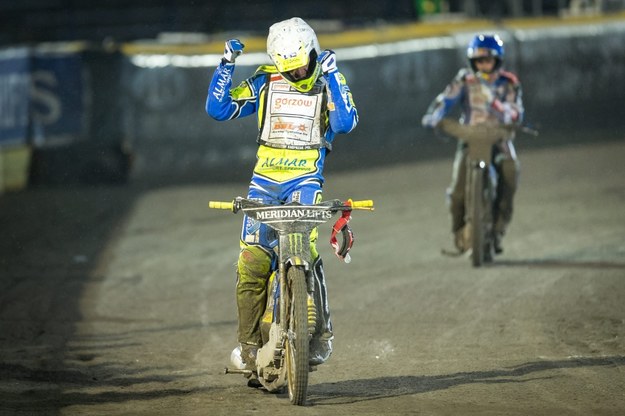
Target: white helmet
[292, 44]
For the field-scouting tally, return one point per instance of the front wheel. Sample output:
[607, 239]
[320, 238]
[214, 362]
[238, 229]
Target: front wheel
[477, 217]
[297, 338]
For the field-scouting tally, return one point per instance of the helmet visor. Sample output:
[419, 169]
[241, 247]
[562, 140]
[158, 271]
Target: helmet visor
[482, 53]
[294, 74]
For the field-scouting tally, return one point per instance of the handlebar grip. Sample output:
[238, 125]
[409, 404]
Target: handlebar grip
[365, 204]
[221, 205]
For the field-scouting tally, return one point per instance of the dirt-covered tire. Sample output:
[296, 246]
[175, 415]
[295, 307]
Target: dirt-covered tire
[297, 348]
[477, 218]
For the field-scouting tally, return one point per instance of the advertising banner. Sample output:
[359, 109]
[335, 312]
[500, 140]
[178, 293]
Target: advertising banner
[41, 97]
[56, 98]
[14, 96]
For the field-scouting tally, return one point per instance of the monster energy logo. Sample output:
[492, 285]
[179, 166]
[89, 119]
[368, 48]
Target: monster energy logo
[296, 242]
[294, 213]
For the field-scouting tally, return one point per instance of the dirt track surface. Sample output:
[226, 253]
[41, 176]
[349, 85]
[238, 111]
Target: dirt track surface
[115, 301]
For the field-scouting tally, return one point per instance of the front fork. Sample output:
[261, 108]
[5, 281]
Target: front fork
[295, 252]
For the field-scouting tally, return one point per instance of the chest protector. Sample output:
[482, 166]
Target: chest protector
[478, 102]
[292, 119]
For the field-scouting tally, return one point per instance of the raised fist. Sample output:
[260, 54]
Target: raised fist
[232, 50]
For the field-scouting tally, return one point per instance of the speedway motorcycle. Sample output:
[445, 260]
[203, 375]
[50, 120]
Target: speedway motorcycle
[480, 185]
[291, 314]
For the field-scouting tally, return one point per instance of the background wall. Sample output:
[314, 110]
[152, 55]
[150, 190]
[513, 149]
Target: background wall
[109, 113]
[572, 77]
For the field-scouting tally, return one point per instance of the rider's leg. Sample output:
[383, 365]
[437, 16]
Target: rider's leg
[321, 342]
[455, 195]
[508, 168]
[253, 270]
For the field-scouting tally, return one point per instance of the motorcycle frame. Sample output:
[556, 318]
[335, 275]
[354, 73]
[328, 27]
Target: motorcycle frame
[293, 250]
[479, 140]
[294, 223]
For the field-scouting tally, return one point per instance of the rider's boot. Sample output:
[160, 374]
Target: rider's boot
[497, 242]
[456, 208]
[320, 348]
[460, 241]
[499, 232]
[321, 342]
[243, 357]
[248, 356]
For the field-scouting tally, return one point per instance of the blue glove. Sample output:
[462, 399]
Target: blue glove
[233, 49]
[327, 60]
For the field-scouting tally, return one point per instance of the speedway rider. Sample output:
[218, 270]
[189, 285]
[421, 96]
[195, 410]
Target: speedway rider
[301, 103]
[487, 95]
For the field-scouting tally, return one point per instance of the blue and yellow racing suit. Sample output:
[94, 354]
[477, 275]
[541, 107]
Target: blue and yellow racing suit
[295, 134]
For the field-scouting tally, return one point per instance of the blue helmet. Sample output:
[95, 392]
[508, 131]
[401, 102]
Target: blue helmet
[483, 46]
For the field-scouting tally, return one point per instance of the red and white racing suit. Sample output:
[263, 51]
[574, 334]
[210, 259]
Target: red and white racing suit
[484, 98]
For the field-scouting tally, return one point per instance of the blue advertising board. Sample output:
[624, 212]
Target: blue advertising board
[57, 91]
[14, 96]
[41, 97]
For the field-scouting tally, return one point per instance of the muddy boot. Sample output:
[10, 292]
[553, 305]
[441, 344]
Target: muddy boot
[497, 242]
[248, 355]
[243, 357]
[320, 348]
[460, 241]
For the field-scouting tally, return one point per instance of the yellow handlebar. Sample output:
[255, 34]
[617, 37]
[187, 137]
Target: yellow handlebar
[221, 205]
[365, 204]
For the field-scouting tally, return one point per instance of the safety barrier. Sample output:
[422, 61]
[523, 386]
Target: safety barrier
[104, 115]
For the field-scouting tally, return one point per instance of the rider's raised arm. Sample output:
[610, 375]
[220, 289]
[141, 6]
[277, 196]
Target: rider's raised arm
[343, 113]
[445, 101]
[224, 102]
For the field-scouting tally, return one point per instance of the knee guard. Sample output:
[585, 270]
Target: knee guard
[254, 262]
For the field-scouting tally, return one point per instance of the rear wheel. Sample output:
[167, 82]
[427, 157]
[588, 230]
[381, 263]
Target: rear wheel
[477, 217]
[297, 341]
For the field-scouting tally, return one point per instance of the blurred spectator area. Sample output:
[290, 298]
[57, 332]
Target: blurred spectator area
[34, 21]
[122, 20]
